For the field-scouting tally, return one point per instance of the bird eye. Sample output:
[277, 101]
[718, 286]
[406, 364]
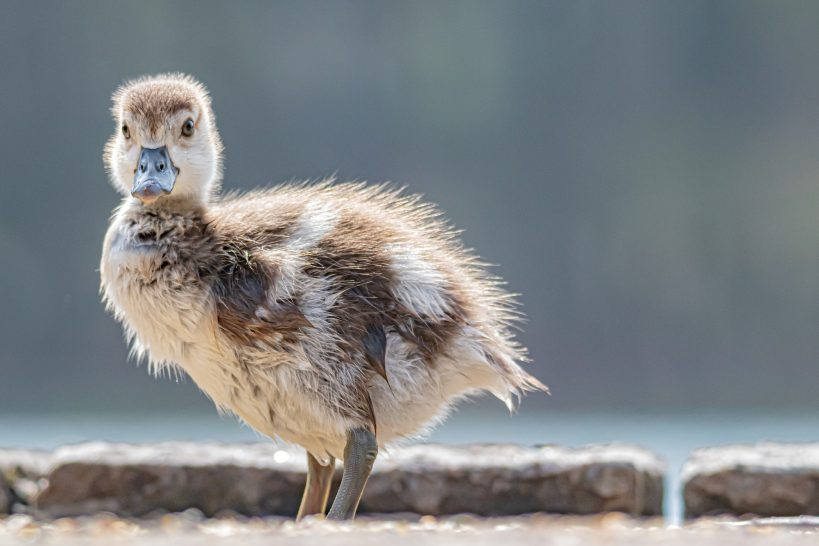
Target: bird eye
[187, 128]
[126, 132]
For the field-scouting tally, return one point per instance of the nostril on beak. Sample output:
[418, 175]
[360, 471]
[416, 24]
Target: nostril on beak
[155, 173]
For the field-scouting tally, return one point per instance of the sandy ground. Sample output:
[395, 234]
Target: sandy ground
[611, 529]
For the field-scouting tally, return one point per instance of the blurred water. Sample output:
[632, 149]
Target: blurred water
[644, 174]
[673, 436]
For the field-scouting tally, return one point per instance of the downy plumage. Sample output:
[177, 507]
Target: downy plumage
[308, 310]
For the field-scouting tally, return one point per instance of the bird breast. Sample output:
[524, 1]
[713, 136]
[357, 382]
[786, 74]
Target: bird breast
[159, 299]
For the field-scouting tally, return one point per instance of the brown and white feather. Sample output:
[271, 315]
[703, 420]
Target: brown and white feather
[308, 309]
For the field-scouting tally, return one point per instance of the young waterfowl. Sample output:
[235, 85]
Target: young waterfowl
[337, 317]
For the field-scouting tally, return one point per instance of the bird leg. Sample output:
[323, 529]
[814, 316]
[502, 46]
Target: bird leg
[359, 455]
[317, 488]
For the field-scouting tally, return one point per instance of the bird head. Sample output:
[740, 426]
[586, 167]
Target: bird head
[165, 145]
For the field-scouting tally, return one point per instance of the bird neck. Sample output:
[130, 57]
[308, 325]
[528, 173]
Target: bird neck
[167, 205]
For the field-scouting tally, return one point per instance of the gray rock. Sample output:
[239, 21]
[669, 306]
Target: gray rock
[134, 480]
[23, 471]
[261, 479]
[762, 479]
[509, 479]
[5, 496]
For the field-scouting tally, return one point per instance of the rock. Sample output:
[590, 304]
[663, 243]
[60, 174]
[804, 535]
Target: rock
[23, 470]
[263, 479]
[5, 496]
[762, 479]
[508, 479]
[134, 480]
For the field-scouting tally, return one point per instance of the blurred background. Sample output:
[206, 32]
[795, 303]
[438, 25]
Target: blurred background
[644, 174]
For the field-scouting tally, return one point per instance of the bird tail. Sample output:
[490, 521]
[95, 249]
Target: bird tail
[517, 381]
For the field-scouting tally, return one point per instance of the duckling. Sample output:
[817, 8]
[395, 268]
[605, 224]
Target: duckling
[339, 317]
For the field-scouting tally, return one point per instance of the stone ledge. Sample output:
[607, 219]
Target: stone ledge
[509, 480]
[763, 479]
[263, 479]
[5, 496]
[21, 470]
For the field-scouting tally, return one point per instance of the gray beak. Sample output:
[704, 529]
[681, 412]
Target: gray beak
[155, 175]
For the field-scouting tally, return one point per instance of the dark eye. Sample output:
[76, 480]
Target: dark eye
[187, 128]
[126, 132]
